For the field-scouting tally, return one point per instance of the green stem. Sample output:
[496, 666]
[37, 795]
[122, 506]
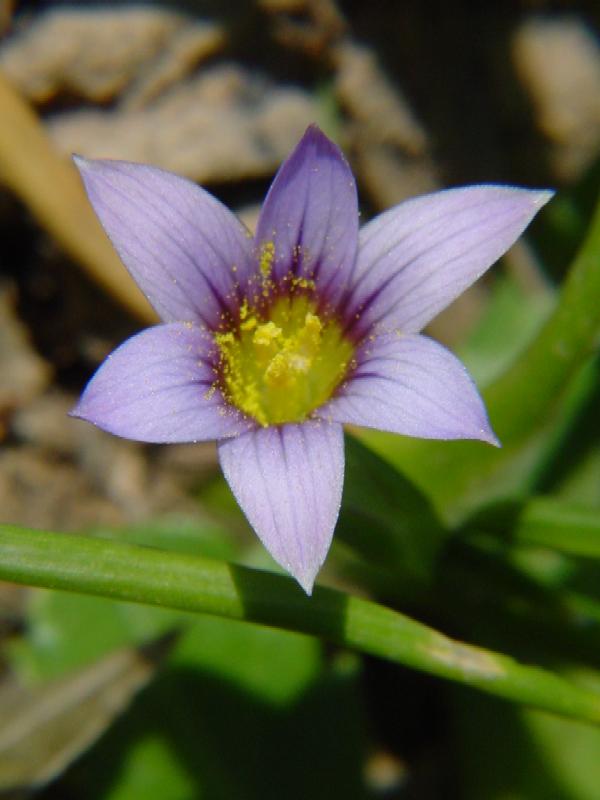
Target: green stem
[522, 395]
[540, 522]
[156, 577]
[547, 522]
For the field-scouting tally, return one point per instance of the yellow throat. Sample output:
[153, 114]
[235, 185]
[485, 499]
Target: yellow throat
[281, 365]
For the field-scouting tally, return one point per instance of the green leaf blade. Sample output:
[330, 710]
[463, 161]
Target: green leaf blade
[192, 583]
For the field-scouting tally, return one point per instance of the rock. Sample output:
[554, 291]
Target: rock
[95, 54]
[309, 26]
[388, 176]
[39, 490]
[370, 98]
[389, 146]
[187, 48]
[222, 125]
[87, 477]
[558, 62]
[45, 423]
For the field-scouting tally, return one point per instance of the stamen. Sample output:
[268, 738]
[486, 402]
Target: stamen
[281, 368]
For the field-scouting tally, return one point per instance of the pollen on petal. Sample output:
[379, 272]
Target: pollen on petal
[267, 256]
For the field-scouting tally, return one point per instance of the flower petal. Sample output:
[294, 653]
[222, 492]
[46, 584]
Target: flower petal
[185, 250]
[288, 481]
[310, 215]
[412, 385]
[419, 256]
[157, 387]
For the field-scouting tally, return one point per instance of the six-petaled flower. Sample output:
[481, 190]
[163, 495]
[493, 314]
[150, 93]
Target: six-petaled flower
[269, 344]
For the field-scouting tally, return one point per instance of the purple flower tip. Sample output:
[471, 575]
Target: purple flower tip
[270, 344]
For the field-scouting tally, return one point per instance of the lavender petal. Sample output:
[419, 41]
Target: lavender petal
[158, 387]
[310, 215]
[186, 251]
[288, 481]
[411, 385]
[419, 256]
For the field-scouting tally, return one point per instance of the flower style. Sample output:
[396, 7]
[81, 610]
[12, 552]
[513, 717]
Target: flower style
[270, 343]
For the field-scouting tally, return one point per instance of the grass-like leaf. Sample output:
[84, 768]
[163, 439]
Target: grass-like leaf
[195, 584]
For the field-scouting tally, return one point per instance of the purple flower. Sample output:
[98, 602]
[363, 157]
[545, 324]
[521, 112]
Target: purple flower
[270, 343]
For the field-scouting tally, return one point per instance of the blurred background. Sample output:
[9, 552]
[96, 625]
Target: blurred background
[106, 700]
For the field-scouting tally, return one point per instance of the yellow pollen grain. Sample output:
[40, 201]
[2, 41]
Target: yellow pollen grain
[266, 334]
[224, 338]
[249, 324]
[302, 283]
[267, 256]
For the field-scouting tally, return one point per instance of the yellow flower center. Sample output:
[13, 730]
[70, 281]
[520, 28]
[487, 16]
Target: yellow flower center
[280, 366]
